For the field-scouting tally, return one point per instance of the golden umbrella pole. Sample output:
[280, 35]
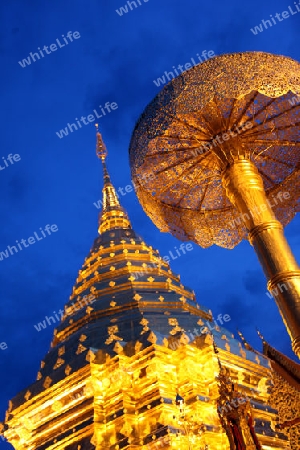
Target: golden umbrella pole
[244, 188]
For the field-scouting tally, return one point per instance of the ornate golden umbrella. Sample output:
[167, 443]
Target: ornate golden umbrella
[215, 159]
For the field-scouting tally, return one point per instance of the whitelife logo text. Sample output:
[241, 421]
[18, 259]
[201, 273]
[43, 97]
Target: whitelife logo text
[33, 57]
[86, 120]
[168, 76]
[70, 309]
[265, 24]
[9, 160]
[11, 250]
[124, 9]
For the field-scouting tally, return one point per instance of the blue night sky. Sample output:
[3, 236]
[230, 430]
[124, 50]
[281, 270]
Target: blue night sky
[58, 180]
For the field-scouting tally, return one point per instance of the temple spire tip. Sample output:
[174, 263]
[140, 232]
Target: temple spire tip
[101, 150]
[112, 215]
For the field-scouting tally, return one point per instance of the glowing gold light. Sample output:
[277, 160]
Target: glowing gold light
[222, 145]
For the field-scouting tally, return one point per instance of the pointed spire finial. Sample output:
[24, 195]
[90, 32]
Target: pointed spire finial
[113, 214]
[101, 150]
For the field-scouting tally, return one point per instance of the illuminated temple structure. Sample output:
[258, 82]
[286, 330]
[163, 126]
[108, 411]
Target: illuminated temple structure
[141, 365]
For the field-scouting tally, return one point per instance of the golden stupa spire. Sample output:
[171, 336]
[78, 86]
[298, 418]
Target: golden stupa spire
[112, 215]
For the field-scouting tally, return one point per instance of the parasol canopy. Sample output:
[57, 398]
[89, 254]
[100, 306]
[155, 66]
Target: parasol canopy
[242, 105]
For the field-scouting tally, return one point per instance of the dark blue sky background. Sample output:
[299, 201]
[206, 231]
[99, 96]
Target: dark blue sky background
[57, 180]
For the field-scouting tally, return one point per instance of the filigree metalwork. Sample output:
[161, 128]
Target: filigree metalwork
[222, 144]
[175, 165]
[286, 399]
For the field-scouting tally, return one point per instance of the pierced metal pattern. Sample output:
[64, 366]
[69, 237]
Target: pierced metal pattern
[178, 151]
[286, 400]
